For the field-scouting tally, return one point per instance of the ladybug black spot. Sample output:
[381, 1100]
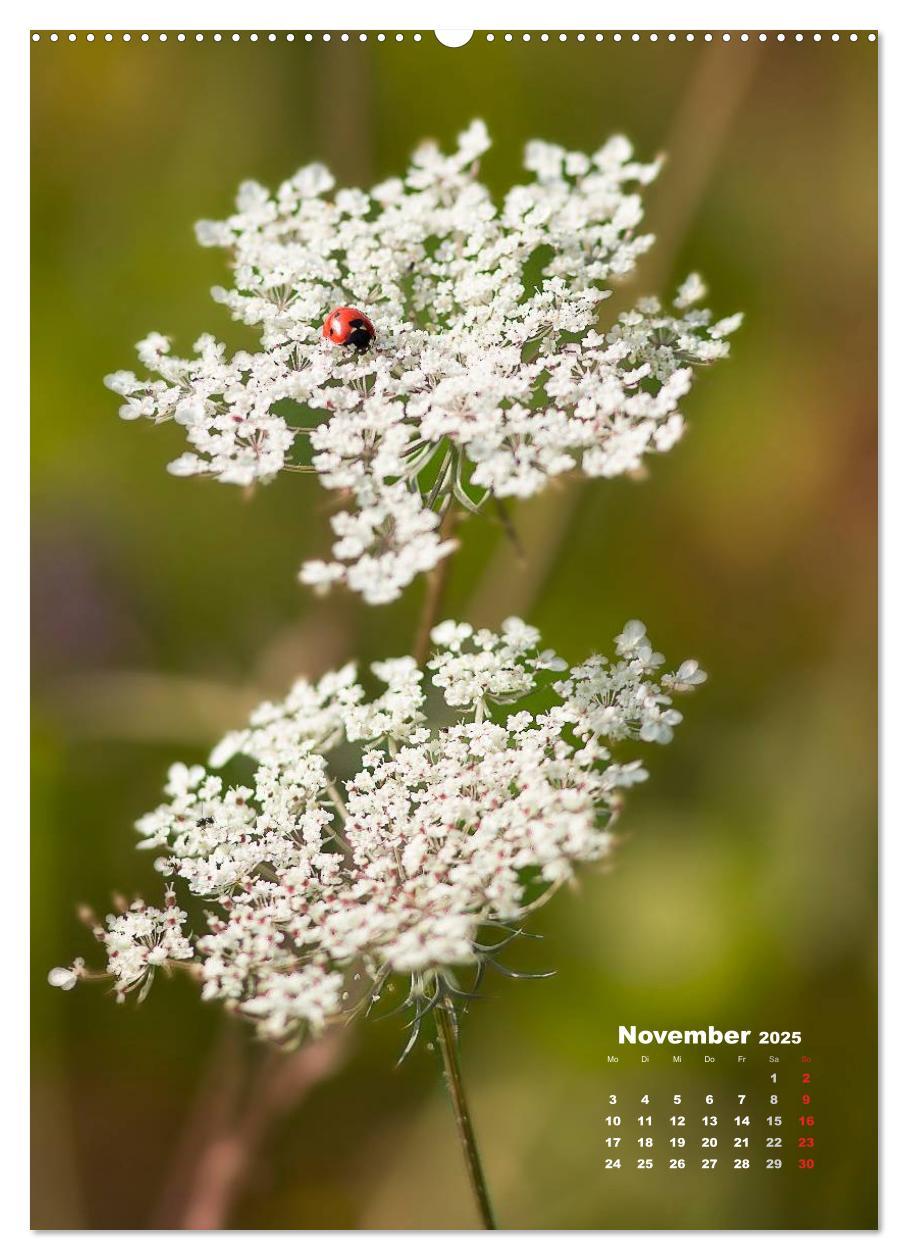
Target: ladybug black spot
[360, 338]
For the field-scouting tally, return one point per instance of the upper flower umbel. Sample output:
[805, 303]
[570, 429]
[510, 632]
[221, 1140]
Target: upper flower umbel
[487, 375]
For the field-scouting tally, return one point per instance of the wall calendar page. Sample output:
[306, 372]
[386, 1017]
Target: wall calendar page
[454, 634]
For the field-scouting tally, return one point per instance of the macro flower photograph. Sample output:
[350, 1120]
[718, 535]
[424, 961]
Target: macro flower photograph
[453, 536]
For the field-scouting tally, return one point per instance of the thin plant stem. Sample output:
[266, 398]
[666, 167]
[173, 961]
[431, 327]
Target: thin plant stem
[445, 1019]
[435, 591]
[447, 1039]
[510, 530]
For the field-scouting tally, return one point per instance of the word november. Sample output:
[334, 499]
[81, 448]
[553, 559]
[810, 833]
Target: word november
[682, 1036]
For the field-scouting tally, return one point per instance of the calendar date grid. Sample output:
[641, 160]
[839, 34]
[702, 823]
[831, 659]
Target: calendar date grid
[767, 1122]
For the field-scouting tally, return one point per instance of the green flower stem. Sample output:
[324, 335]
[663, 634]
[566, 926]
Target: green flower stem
[447, 1040]
[436, 582]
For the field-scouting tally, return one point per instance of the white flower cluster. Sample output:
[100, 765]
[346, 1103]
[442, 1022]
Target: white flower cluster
[487, 375]
[315, 892]
[143, 938]
[139, 940]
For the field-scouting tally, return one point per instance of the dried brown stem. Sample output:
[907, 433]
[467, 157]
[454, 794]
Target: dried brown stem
[232, 1120]
[700, 128]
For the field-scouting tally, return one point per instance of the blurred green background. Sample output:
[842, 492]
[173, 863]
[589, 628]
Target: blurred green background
[744, 894]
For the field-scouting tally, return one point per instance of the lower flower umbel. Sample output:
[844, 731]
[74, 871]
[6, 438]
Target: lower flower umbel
[307, 885]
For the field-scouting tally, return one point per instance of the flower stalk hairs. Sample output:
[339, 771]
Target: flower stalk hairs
[430, 350]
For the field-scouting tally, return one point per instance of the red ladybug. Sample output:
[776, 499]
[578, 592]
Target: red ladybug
[346, 326]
